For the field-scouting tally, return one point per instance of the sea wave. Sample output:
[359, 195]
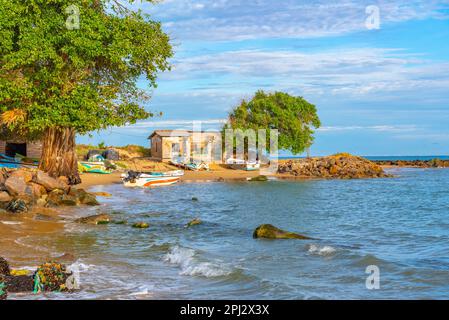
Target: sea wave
[322, 251]
[185, 259]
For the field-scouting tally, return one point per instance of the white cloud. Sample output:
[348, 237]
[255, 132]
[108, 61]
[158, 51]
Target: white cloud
[231, 20]
[379, 128]
[340, 72]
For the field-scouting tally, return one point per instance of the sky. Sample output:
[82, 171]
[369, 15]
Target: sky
[381, 86]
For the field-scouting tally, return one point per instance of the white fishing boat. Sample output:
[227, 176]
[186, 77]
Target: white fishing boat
[151, 179]
[240, 164]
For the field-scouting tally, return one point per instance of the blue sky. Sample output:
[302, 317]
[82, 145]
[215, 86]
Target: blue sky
[378, 91]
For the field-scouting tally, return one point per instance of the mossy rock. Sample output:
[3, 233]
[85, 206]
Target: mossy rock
[3, 291]
[194, 199]
[95, 219]
[119, 222]
[194, 222]
[140, 225]
[259, 178]
[269, 231]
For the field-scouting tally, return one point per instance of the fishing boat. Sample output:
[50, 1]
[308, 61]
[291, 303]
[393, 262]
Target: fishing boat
[151, 179]
[240, 164]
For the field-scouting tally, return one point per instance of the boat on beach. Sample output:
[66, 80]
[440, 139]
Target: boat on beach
[151, 179]
[239, 164]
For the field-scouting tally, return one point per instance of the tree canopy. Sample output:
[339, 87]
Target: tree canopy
[57, 73]
[292, 116]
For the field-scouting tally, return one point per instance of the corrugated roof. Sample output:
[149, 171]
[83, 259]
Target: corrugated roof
[171, 133]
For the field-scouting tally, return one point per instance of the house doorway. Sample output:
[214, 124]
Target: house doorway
[16, 148]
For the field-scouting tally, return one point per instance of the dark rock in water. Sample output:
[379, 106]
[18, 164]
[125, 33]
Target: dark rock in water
[68, 200]
[3, 290]
[269, 231]
[119, 222]
[95, 219]
[16, 206]
[4, 267]
[194, 199]
[259, 178]
[84, 197]
[19, 283]
[55, 197]
[194, 222]
[140, 225]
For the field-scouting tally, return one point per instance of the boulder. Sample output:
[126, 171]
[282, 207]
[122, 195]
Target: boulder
[269, 231]
[5, 197]
[37, 190]
[21, 283]
[68, 200]
[4, 267]
[17, 205]
[26, 174]
[140, 225]
[3, 290]
[54, 198]
[84, 197]
[48, 182]
[95, 219]
[16, 185]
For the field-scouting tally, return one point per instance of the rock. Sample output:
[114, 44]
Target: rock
[84, 197]
[22, 283]
[48, 182]
[45, 217]
[3, 290]
[16, 185]
[51, 277]
[5, 197]
[194, 199]
[140, 225]
[269, 231]
[37, 190]
[102, 194]
[25, 174]
[41, 202]
[194, 222]
[68, 200]
[95, 219]
[64, 182]
[259, 178]
[17, 206]
[119, 222]
[4, 267]
[55, 197]
[220, 179]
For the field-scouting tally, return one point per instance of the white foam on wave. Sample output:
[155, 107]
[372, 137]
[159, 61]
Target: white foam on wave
[322, 251]
[11, 222]
[184, 258]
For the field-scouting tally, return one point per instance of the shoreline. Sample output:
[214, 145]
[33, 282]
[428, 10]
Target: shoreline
[16, 227]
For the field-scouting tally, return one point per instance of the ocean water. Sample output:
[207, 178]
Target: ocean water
[400, 225]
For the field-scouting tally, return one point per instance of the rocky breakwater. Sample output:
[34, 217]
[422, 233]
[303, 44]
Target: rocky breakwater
[22, 189]
[338, 166]
[434, 163]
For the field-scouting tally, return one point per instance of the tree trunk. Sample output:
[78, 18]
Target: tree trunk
[58, 154]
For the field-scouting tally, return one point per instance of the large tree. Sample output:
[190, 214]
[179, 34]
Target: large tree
[293, 117]
[69, 67]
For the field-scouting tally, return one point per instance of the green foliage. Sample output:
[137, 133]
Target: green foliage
[84, 78]
[102, 145]
[293, 117]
